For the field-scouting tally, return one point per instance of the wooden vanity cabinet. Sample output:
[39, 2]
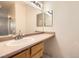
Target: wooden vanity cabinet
[35, 51]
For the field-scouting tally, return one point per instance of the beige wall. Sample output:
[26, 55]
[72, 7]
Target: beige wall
[20, 12]
[66, 26]
[25, 17]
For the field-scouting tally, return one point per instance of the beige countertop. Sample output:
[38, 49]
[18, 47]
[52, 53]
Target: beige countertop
[7, 51]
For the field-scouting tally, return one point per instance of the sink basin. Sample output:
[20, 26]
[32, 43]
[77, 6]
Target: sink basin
[19, 42]
[15, 43]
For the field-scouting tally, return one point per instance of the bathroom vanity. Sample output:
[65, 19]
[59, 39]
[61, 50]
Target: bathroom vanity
[29, 47]
[35, 51]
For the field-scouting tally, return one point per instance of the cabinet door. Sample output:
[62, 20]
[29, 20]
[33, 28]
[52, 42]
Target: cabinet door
[39, 54]
[36, 49]
[24, 54]
[20, 55]
[27, 53]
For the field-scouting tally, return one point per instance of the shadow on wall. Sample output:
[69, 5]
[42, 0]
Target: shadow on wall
[52, 48]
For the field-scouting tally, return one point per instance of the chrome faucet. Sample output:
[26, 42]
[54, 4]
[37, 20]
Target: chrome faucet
[19, 36]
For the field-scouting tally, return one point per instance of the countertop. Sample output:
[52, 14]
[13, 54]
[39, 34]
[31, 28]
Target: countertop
[7, 51]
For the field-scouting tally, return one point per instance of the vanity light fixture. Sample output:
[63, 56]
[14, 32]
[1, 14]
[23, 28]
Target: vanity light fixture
[9, 17]
[35, 4]
[50, 12]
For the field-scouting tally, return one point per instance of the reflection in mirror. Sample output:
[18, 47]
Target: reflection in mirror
[7, 20]
[3, 22]
[40, 20]
[48, 18]
[11, 25]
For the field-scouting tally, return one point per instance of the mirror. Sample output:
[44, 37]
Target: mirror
[47, 17]
[40, 20]
[7, 19]
[11, 25]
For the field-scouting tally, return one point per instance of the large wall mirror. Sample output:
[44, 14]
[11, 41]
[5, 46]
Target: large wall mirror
[45, 18]
[7, 19]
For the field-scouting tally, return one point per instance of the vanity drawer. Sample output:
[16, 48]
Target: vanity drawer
[35, 49]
